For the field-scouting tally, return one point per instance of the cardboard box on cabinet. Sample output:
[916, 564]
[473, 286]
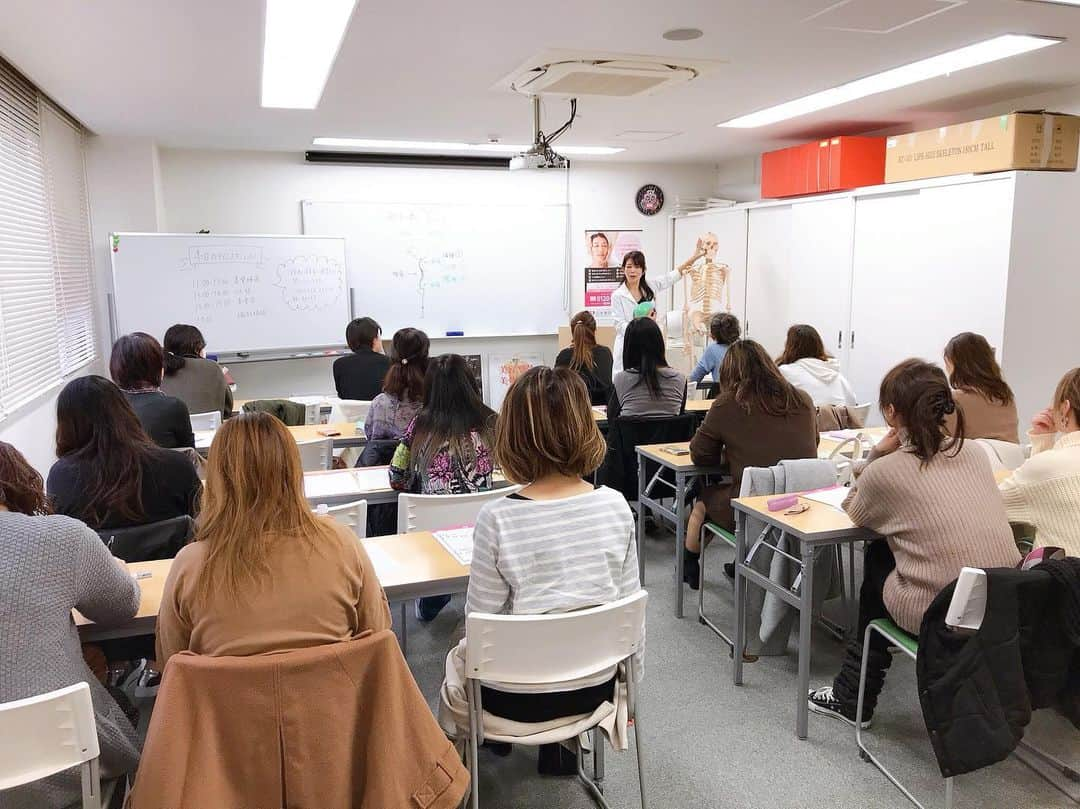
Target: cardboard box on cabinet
[1020, 141]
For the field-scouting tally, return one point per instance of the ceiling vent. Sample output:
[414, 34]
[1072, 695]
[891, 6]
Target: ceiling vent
[573, 75]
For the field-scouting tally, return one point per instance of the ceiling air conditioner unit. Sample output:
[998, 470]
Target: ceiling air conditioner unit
[600, 77]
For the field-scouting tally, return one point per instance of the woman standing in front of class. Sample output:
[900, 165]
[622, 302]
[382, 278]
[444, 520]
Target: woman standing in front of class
[633, 290]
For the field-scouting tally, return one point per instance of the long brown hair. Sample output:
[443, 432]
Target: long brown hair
[803, 342]
[921, 397]
[583, 329]
[21, 487]
[546, 426]
[96, 427]
[254, 494]
[750, 378]
[975, 367]
[408, 365]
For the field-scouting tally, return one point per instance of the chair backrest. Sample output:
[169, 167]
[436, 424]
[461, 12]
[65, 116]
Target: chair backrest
[144, 543]
[349, 410]
[43, 735]
[433, 512]
[316, 455]
[859, 414]
[1002, 454]
[378, 452]
[352, 515]
[556, 647]
[205, 421]
[619, 469]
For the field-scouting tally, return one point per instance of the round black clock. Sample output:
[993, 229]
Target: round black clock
[649, 199]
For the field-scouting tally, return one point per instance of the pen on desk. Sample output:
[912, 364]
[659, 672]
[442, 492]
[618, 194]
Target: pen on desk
[142, 574]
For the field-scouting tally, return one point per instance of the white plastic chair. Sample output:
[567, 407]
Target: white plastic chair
[316, 455]
[549, 650]
[43, 735]
[433, 512]
[352, 515]
[348, 411]
[205, 421]
[859, 414]
[1002, 454]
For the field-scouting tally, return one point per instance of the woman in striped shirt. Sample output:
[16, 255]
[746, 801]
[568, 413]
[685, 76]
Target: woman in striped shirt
[557, 545]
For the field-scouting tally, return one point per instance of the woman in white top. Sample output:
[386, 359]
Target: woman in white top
[1045, 490]
[633, 290]
[807, 366]
[557, 545]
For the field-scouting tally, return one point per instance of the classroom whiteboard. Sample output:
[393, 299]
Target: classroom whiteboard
[484, 270]
[245, 293]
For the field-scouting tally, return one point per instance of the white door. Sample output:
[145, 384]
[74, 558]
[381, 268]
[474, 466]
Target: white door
[822, 235]
[768, 276]
[928, 264]
[799, 271]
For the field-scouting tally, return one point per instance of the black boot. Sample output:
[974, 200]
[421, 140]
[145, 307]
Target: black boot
[691, 568]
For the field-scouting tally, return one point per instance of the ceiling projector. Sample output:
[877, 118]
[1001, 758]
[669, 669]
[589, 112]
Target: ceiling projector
[540, 155]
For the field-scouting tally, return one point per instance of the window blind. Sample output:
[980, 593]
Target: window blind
[46, 290]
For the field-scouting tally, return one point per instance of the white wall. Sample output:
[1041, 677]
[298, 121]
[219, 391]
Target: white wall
[260, 192]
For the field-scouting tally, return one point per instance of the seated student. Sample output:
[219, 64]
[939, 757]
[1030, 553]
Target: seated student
[51, 565]
[190, 377]
[932, 498]
[807, 366]
[1045, 490]
[724, 330]
[403, 389]
[979, 390]
[447, 448]
[137, 366]
[757, 419]
[593, 362]
[264, 574]
[649, 387]
[109, 474]
[559, 544]
[360, 375]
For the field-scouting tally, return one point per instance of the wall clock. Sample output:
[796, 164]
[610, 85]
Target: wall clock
[649, 199]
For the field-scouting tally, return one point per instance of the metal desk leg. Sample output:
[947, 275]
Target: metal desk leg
[404, 628]
[806, 623]
[680, 539]
[641, 484]
[740, 607]
[853, 594]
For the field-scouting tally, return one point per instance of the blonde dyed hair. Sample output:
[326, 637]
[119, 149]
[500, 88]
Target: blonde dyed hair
[254, 493]
[546, 426]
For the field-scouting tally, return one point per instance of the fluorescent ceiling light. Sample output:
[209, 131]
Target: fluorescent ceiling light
[979, 53]
[300, 44]
[452, 146]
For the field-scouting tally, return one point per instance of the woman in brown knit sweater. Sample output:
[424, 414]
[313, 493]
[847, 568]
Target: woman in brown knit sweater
[979, 390]
[933, 499]
[757, 419]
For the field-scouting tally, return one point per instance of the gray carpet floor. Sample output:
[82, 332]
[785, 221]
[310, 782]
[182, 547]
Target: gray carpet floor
[708, 743]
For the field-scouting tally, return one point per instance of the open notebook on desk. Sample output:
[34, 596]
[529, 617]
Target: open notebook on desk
[346, 481]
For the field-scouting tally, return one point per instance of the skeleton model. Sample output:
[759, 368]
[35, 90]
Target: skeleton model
[706, 291]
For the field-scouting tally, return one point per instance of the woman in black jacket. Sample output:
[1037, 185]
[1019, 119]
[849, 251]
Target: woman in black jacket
[137, 366]
[593, 362]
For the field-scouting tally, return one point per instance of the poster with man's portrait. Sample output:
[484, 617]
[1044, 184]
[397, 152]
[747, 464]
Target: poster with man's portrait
[605, 250]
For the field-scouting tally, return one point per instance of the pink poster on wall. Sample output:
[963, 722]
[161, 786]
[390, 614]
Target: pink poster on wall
[605, 250]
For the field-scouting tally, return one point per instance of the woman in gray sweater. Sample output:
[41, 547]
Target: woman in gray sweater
[49, 565]
[190, 377]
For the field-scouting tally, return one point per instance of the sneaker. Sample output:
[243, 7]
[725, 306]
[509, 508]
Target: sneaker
[822, 701]
[147, 686]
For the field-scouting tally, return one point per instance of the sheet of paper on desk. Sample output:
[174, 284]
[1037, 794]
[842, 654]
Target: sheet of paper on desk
[600, 410]
[333, 484]
[372, 478]
[844, 435]
[830, 497]
[458, 542]
[203, 438]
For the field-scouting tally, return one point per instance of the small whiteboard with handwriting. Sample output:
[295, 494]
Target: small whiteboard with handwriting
[245, 293]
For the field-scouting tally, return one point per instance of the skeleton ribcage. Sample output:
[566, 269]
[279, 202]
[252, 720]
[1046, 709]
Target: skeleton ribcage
[707, 285]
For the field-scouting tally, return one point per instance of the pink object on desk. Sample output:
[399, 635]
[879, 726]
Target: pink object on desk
[786, 501]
